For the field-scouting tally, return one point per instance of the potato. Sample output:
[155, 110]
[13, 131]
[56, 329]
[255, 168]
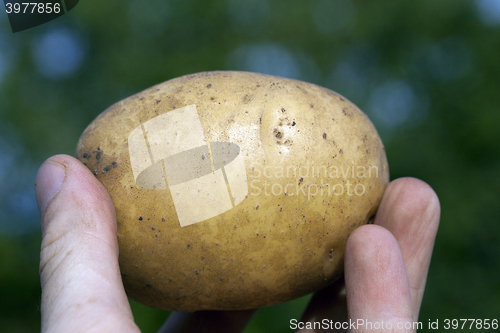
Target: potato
[234, 190]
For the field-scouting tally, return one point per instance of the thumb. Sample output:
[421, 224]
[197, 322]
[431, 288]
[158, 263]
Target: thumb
[82, 289]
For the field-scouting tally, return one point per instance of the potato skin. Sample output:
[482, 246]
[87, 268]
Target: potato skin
[277, 244]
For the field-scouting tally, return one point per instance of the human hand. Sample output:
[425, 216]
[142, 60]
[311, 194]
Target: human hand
[386, 264]
[82, 289]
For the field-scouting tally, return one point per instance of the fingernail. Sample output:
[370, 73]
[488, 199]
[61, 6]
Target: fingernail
[48, 181]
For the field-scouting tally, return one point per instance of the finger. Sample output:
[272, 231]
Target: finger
[326, 304]
[378, 294]
[410, 210]
[82, 289]
[330, 302]
[207, 321]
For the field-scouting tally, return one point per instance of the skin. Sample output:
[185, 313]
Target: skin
[386, 264]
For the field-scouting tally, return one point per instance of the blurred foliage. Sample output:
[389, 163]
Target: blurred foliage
[427, 73]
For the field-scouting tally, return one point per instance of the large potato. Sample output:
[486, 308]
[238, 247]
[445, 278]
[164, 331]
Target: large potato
[234, 190]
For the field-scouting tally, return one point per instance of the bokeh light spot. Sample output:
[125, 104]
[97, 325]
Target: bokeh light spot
[58, 53]
[392, 103]
[18, 209]
[445, 60]
[269, 59]
[354, 72]
[489, 11]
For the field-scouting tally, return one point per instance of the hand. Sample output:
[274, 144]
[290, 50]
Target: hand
[82, 289]
[386, 263]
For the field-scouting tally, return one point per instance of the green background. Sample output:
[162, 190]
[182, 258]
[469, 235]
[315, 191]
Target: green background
[426, 72]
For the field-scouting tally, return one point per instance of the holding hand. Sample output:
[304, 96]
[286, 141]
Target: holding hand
[386, 263]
